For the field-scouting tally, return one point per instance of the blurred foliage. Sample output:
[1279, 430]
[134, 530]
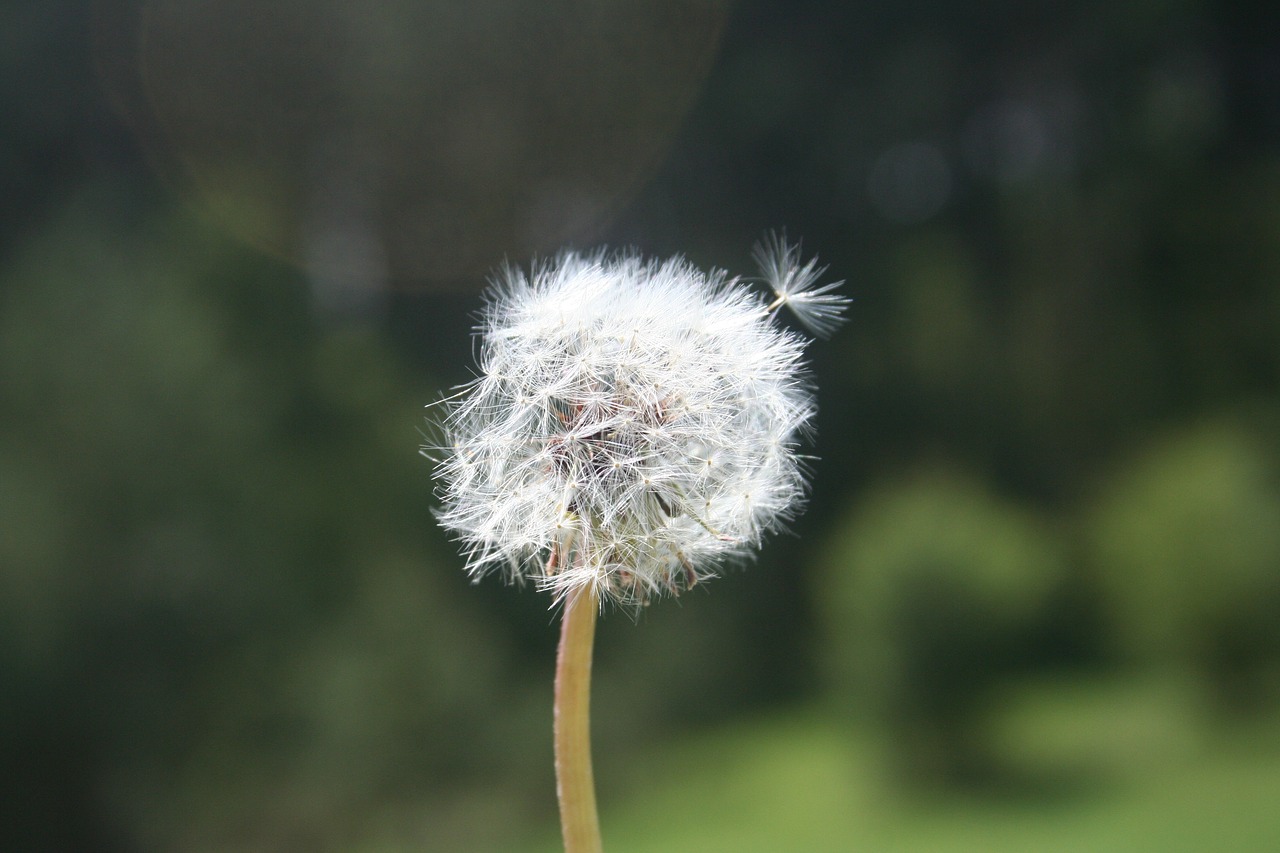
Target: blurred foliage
[933, 590]
[228, 622]
[218, 580]
[1186, 545]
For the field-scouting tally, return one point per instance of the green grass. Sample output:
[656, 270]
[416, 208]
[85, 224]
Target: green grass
[1127, 770]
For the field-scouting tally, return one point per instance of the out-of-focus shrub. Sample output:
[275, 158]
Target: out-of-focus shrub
[932, 588]
[1185, 541]
[224, 621]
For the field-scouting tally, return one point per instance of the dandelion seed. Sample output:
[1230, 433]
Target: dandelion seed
[820, 310]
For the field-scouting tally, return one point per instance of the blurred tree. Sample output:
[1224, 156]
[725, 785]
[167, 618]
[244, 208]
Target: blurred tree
[1185, 540]
[931, 588]
[220, 627]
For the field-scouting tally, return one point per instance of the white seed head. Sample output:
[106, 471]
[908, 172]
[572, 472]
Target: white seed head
[634, 424]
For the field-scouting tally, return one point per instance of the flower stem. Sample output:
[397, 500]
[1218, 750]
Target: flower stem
[575, 786]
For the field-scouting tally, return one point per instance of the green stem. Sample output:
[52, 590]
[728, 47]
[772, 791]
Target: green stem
[574, 783]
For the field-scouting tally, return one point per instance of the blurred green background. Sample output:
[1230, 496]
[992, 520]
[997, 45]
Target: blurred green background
[1033, 604]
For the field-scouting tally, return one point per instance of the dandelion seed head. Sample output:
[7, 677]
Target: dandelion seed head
[634, 424]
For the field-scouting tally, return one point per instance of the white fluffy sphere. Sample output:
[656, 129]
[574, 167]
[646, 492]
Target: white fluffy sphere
[634, 424]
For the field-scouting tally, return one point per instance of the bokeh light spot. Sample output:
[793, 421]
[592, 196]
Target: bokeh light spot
[415, 142]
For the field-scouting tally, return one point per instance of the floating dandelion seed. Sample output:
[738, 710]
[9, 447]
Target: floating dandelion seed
[634, 423]
[819, 309]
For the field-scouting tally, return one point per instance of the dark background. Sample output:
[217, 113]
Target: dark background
[242, 245]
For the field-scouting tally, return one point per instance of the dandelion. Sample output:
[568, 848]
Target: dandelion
[633, 426]
[634, 423]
